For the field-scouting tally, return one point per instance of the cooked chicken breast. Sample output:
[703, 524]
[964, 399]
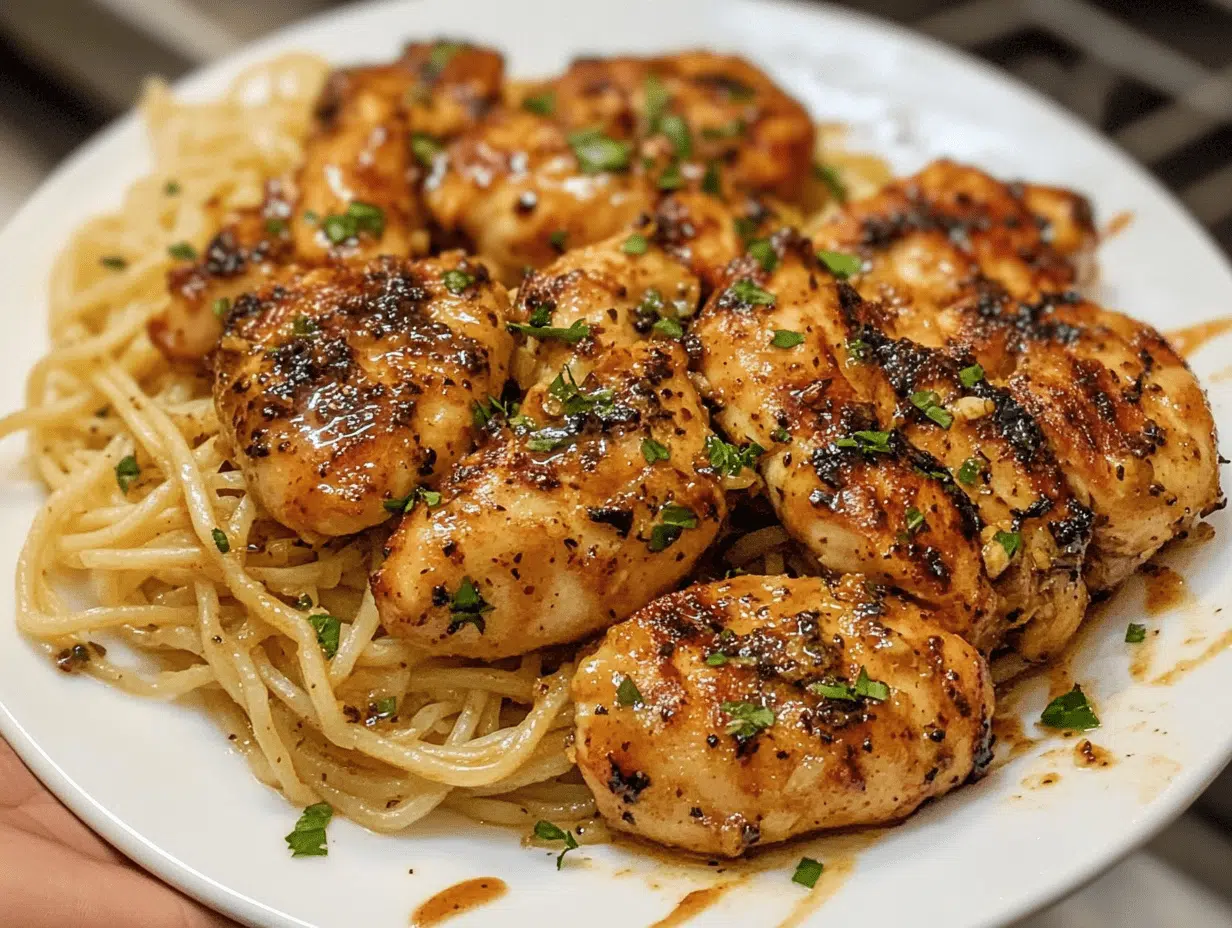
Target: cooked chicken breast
[343, 389]
[739, 713]
[581, 157]
[378, 131]
[590, 502]
[983, 270]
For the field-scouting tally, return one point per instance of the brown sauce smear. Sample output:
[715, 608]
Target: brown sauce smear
[838, 868]
[1041, 780]
[693, 904]
[458, 900]
[1012, 739]
[1088, 754]
[1188, 340]
[1216, 648]
[1165, 588]
[1117, 224]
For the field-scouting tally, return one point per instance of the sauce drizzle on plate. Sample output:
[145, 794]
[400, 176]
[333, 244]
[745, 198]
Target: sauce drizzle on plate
[458, 900]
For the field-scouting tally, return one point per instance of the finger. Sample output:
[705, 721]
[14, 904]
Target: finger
[46, 885]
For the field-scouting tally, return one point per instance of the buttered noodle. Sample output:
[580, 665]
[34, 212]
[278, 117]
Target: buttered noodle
[177, 616]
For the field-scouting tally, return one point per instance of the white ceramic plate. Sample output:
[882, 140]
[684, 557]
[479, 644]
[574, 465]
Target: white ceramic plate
[159, 782]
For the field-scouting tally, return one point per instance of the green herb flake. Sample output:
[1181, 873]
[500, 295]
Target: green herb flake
[712, 180]
[574, 334]
[359, 217]
[716, 659]
[221, 542]
[113, 262]
[785, 338]
[857, 348]
[782, 436]
[834, 184]
[732, 129]
[747, 292]
[915, 520]
[1070, 712]
[1135, 633]
[542, 104]
[652, 451]
[677, 132]
[329, 633]
[546, 831]
[970, 376]
[442, 53]
[927, 402]
[275, 227]
[385, 708]
[404, 504]
[747, 719]
[970, 470]
[126, 472]
[456, 280]
[867, 441]
[840, 265]
[673, 520]
[302, 326]
[728, 459]
[868, 688]
[657, 100]
[221, 307]
[596, 153]
[627, 693]
[303, 602]
[669, 328]
[558, 240]
[171, 188]
[764, 252]
[808, 872]
[467, 607]
[671, 178]
[833, 691]
[1011, 542]
[307, 839]
[425, 148]
[182, 251]
[746, 228]
[635, 244]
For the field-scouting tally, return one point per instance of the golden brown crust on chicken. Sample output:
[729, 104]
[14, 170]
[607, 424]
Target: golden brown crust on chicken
[562, 522]
[344, 387]
[721, 742]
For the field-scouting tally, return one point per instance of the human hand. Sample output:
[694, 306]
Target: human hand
[56, 873]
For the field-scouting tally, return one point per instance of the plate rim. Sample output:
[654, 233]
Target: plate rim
[236, 904]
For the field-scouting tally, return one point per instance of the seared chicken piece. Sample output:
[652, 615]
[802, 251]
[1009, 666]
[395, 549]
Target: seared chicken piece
[983, 270]
[568, 519]
[582, 156]
[842, 481]
[743, 712]
[378, 129]
[344, 388]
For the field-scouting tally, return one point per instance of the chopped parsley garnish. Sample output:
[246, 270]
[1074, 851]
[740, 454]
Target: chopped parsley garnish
[728, 459]
[840, 265]
[302, 326]
[1010, 541]
[275, 227]
[575, 333]
[467, 607]
[915, 520]
[635, 244]
[542, 104]
[597, 153]
[747, 718]
[857, 348]
[712, 181]
[782, 436]
[171, 188]
[308, 837]
[657, 100]
[1071, 712]
[182, 251]
[716, 659]
[970, 471]
[385, 708]
[575, 402]
[126, 472]
[221, 307]
[457, 280]
[970, 376]
[546, 831]
[404, 504]
[442, 53]
[785, 338]
[808, 872]
[359, 217]
[671, 178]
[221, 542]
[729, 130]
[867, 441]
[865, 688]
[311, 217]
[558, 239]
[669, 328]
[677, 132]
[747, 292]
[653, 451]
[549, 439]
[927, 402]
[764, 252]
[425, 148]
[540, 316]
[673, 520]
[329, 633]
[483, 413]
[829, 176]
[746, 228]
[627, 693]
[1135, 633]
[113, 262]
